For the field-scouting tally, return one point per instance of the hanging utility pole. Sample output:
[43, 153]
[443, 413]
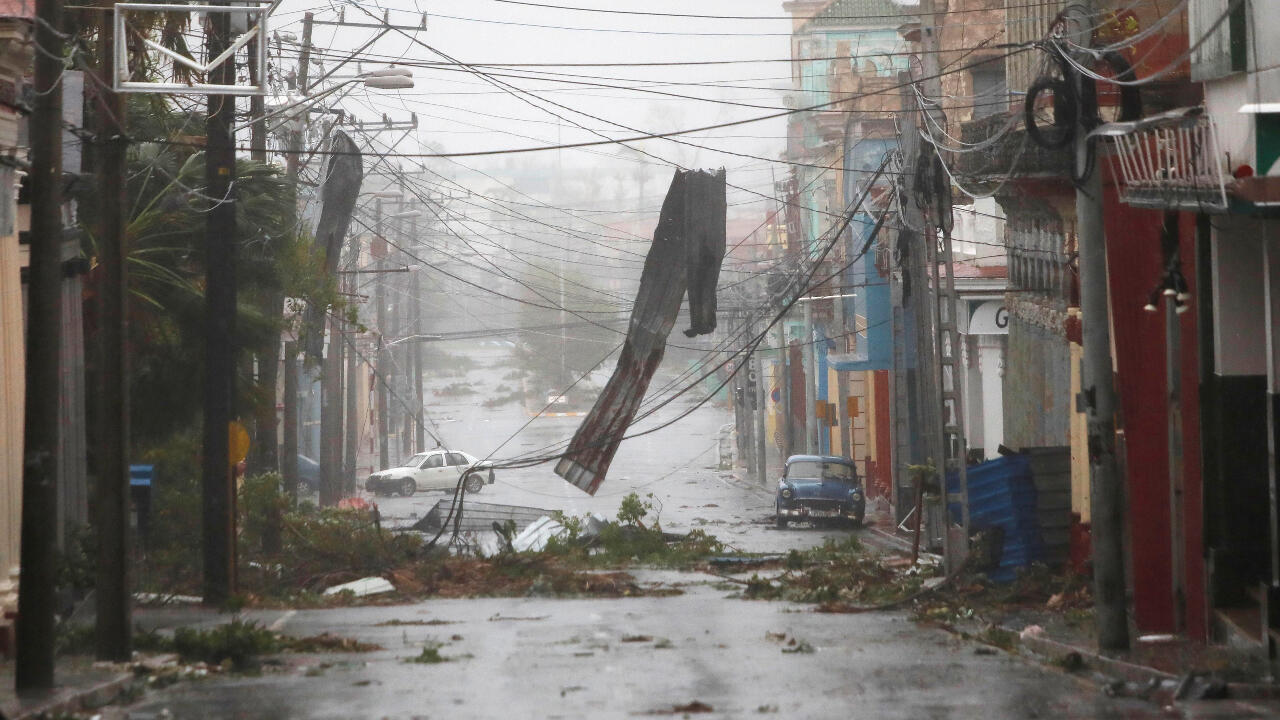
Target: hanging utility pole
[220, 312]
[1097, 389]
[113, 626]
[36, 597]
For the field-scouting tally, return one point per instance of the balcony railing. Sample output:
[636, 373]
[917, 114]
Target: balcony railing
[1169, 161]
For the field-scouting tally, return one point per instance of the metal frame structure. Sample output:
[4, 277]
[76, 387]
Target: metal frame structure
[1169, 161]
[120, 67]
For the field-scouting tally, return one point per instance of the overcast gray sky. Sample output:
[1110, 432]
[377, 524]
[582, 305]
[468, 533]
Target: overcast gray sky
[461, 112]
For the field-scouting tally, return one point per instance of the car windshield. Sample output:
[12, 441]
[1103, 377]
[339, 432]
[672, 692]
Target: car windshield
[818, 470]
[414, 461]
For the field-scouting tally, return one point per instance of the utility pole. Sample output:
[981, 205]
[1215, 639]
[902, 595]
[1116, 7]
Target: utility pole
[418, 407]
[113, 627]
[1106, 491]
[36, 599]
[331, 399]
[761, 403]
[380, 299]
[395, 330]
[289, 445]
[266, 457]
[1173, 379]
[810, 382]
[784, 383]
[946, 409]
[304, 64]
[351, 428]
[220, 312]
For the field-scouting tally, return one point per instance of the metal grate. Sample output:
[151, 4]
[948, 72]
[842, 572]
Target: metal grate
[1169, 161]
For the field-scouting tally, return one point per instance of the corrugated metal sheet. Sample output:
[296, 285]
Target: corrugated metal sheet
[1002, 494]
[478, 516]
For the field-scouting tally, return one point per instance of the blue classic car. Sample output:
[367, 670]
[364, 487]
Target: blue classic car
[820, 487]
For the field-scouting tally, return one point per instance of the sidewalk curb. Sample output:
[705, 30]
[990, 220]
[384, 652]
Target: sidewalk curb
[67, 700]
[1132, 672]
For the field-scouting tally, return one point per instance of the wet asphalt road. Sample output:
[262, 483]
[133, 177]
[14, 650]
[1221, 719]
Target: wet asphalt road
[677, 463]
[620, 658]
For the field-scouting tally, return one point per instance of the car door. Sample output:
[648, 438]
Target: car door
[432, 474]
[457, 463]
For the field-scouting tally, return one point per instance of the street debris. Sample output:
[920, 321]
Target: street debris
[798, 647]
[790, 644]
[536, 536]
[430, 655]
[237, 646]
[693, 707]
[363, 587]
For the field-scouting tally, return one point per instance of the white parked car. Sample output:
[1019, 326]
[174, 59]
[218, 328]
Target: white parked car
[432, 470]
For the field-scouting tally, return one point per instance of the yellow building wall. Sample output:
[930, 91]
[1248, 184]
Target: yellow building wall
[1079, 444]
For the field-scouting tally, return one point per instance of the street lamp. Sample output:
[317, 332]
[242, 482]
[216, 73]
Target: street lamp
[390, 78]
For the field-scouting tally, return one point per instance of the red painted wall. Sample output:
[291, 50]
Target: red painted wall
[1135, 267]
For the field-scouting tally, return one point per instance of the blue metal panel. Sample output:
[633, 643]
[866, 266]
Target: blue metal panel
[869, 311]
[1002, 494]
[141, 475]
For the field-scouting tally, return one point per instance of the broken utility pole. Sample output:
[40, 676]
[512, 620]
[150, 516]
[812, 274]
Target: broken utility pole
[688, 246]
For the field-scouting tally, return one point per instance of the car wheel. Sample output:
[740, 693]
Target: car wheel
[408, 487]
[779, 520]
[473, 483]
[856, 522]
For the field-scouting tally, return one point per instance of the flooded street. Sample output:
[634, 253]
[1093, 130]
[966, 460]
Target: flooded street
[701, 649]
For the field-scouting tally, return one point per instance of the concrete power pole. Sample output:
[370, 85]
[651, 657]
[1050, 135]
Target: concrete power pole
[220, 313]
[351, 426]
[289, 444]
[114, 625]
[380, 315]
[784, 387]
[421, 429]
[810, 382]
[761, 403]
[331, 401]
[1106, 491]
[36, 599]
